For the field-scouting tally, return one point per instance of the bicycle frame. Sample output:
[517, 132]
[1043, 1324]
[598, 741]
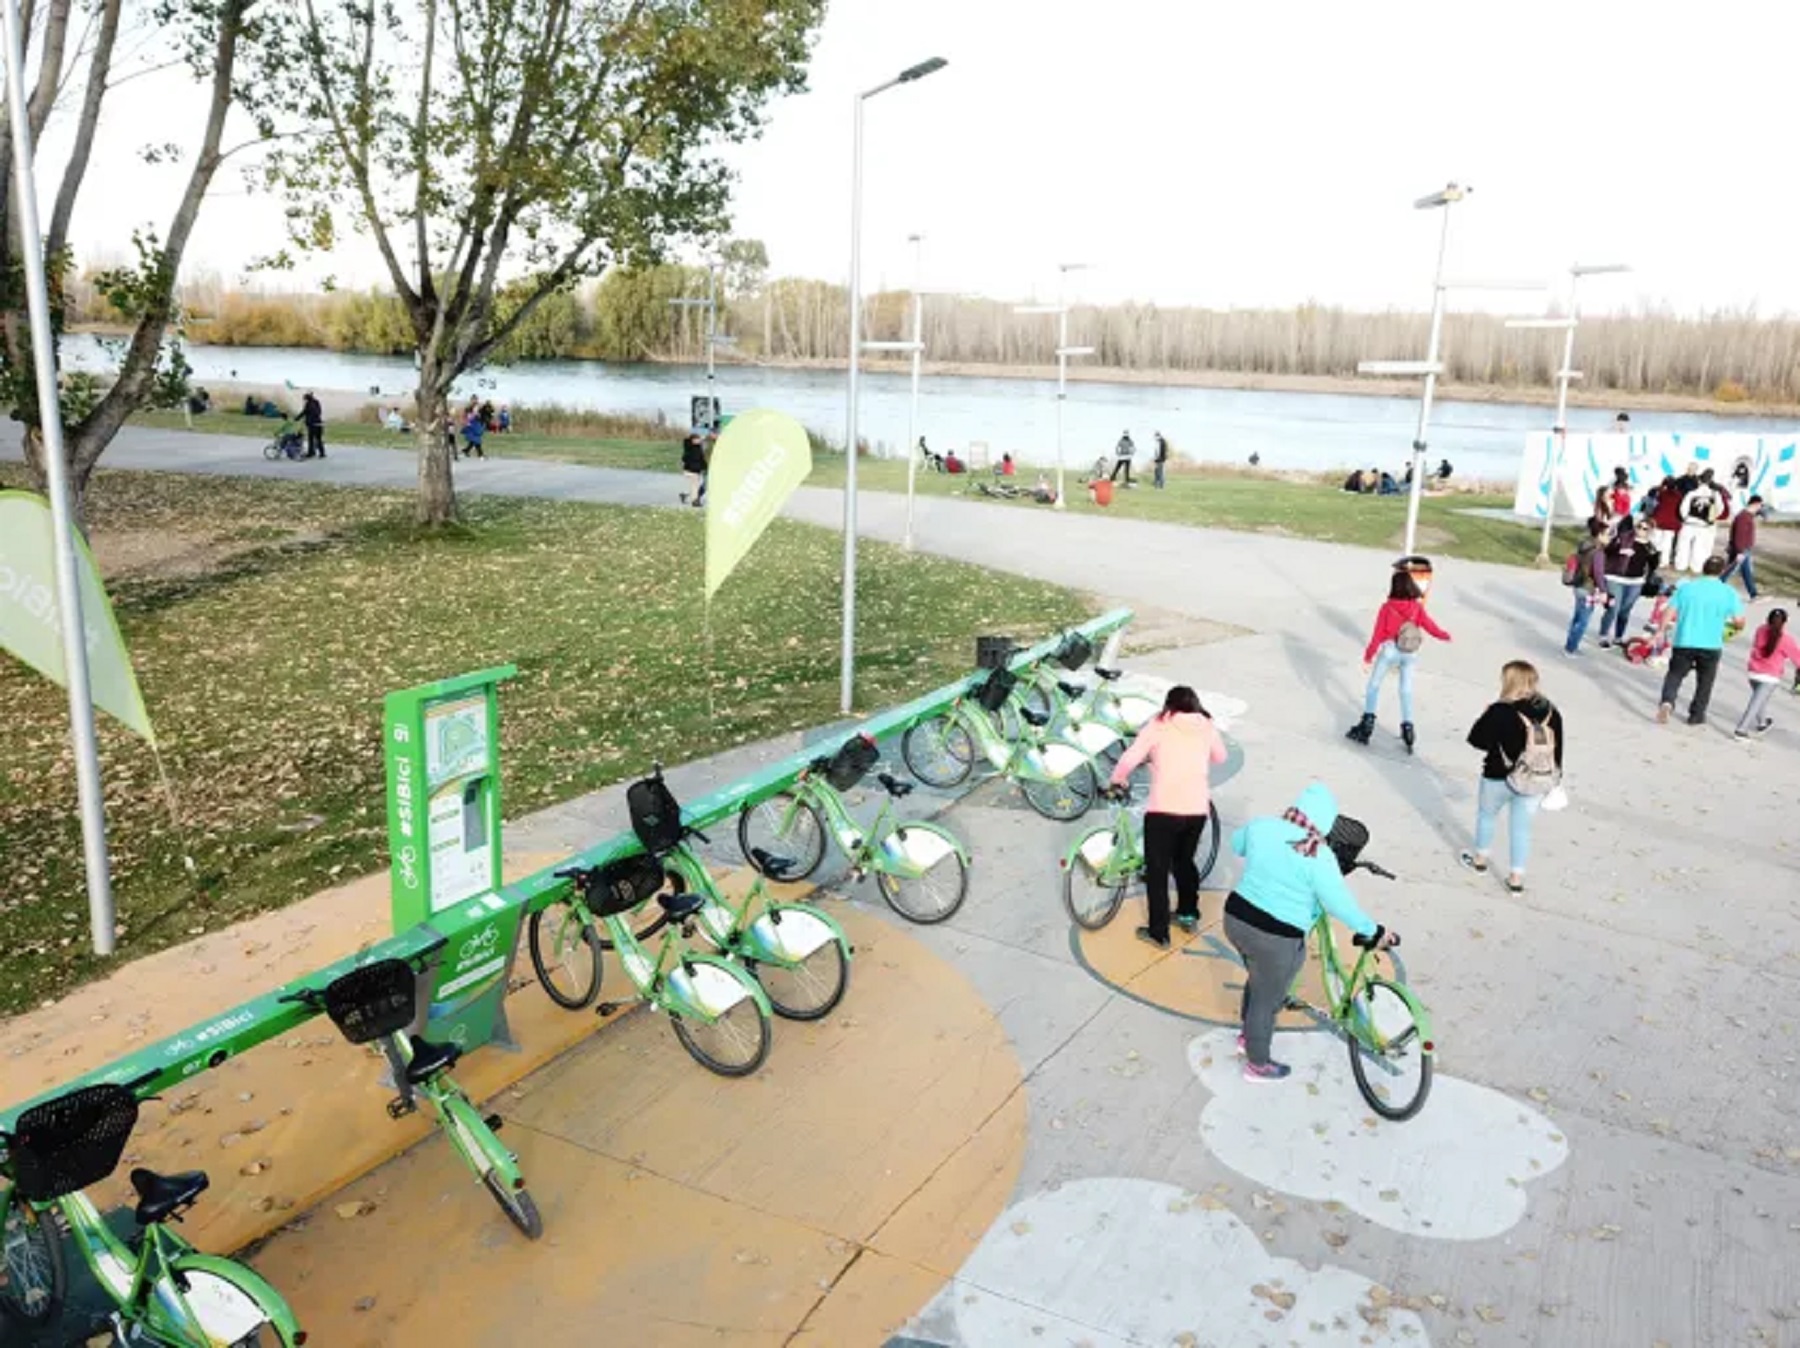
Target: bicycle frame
[782, 933]
[700, 987]
[470, 1133]
[1030, 760]
[1124, 859]
[884, 846]
[1343, 1011]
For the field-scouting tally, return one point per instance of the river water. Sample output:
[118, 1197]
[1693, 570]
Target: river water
[1288, 430]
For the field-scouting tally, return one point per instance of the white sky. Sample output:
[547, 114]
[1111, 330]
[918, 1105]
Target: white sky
[1239, 153]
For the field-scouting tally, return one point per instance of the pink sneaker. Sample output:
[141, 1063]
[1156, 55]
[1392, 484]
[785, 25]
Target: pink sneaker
[1243, 1046]
[1269, 1071]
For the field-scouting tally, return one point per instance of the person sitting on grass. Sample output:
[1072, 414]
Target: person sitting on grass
[1387, 487]
[1354, 483]
[952, 464]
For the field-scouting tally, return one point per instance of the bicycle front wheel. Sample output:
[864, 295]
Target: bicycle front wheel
[939, 752]
[1065, 798]
[33, 1264]
[565, 951]
[809, 989]
[1091, 893]
[785, 827]
[928, 898]
[1389, 1054]
[518, 1206]
[1209, 845]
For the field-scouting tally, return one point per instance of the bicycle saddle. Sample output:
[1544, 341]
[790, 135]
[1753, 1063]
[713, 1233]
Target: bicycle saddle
[1036, 718]
[771, 865]
[1070, 689]
[894, 786]
[1109, 674]
[682, 906]
[162, 1196]
[429, 1059]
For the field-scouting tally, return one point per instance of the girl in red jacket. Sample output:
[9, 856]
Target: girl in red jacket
[1400, 629]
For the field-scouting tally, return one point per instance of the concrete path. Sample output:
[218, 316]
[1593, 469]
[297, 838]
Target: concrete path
[1611, 1156]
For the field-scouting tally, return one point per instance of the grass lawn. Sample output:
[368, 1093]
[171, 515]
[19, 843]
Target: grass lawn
[267, 619]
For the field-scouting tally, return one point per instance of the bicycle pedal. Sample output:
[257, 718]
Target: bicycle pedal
[606, 1008]
[1295, 1004]
[494, 1123]
[399, 1107]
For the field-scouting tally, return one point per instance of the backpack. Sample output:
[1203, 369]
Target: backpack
[1534, 771]
[1700, 509]
[1409, 638]
[1574, 567]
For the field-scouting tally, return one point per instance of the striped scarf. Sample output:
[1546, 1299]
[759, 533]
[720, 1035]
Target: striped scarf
[1309, 845]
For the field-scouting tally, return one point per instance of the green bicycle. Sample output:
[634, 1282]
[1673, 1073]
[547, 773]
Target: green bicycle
[1103, 864]
[920, 868]
[1056, 778]
[376, 1003]
[163, 1290]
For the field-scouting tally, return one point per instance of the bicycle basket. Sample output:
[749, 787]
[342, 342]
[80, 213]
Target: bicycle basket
[850, 764]
[1075, 651]
[993, 652]
[75, 1140]
[623, 884]
[1347, 839]
[995, 689]
[655, 814]
[375, 1000]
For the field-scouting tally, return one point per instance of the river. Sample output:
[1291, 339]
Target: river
[1287, 430]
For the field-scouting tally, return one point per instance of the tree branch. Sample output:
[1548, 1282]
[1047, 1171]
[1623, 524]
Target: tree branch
[99, 68]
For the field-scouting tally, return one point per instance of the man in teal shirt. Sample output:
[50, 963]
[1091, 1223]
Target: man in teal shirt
[1705, 610]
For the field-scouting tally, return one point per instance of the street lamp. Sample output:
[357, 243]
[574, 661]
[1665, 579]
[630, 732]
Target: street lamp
[1560, 428]
[1063, 352]
[847, 677]
[713, 340]
[918, 352]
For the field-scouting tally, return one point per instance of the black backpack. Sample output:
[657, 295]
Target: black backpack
[655, 814]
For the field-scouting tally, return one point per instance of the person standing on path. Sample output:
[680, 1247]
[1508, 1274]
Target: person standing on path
[1521, 738]
[313, 415]
[1620, 496]
[1770, 653]
[1704, 611]
[1741, 544]
[1701, 510]
[1122, 453]
[1664, 520]
[693, 464]
[1627, 563]
[1588, 581]
[1290, 877]
[1401, 625]
[1161, 461]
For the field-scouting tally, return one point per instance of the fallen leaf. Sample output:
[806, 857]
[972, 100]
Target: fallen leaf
[360, 1207]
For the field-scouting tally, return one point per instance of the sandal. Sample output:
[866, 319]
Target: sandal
[1470, 861]
[1514, 886]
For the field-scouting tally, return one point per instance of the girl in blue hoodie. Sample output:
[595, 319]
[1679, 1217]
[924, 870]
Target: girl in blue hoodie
[1290, 877]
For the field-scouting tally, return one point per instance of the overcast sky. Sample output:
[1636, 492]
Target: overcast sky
[1224, 154]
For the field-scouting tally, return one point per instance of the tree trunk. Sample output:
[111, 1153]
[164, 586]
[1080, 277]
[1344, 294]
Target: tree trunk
[437, 486]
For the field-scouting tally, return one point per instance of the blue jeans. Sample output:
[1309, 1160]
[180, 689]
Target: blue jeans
[1624, 595]
[1385, 659]
[1742, 563]
[1494, 797]
[1578, 624]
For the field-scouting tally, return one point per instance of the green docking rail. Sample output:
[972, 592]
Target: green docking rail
[199, 1048]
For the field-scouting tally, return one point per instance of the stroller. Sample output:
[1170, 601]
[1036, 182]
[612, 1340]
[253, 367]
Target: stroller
[286, 443]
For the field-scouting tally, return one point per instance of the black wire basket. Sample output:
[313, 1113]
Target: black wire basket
[996, 688]
[1347, 839]
[624, 884]
[372, 1001]
[851, 763]
[1075, 651]
[655, 815]
[993, 652]
[64, 1145]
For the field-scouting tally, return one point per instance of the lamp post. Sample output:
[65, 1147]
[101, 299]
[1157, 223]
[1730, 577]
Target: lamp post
[88, 786]
[711, 305]
[912, 407]
[1560, 427]
[847, 676]
[1063, 352]
[1443, 200]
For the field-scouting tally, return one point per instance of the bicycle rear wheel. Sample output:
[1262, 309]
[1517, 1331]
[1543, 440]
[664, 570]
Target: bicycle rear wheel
[939, 752]
[31, 1258]
[518, 1206]
[760, 827]
[1209, 845]
[565, 952]
[1091, 897]
[734, 1045]
[809, 989]
[1065, 798]
[1389, 1055]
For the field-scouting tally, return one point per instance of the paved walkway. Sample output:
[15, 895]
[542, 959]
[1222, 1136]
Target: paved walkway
[1611, 1156]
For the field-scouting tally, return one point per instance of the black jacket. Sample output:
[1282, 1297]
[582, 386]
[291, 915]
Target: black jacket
[1500, 733]
[311, 412]
[693, 455]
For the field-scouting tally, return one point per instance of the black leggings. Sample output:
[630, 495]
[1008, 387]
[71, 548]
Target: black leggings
[1170, 842]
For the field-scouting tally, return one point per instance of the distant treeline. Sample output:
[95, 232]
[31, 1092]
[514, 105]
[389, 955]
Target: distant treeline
[1732, 357]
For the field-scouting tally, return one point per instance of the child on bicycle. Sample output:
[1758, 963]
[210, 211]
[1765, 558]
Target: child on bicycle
[1290, 877]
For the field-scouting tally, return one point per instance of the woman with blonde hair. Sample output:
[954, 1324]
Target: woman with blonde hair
[1521, 737]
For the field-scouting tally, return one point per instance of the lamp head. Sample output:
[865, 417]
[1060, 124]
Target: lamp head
[1451, 192]
[923, 69]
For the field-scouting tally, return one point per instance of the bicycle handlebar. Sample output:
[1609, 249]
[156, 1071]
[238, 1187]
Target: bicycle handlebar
[1373, 869]
[1368, 942]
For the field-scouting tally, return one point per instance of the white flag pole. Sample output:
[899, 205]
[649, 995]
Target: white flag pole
[68, 577]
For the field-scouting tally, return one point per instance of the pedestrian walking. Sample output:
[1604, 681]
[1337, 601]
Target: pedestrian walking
[1663, 514]
[1742, 543]
[474, 429]
[1773, 649]
[1585, 573]
[1627, 563]
[1520, 736]
[1161, 461]
[1701, 510]
[1181, 744]
[693, 465]
[1122, 453]
[1290, 876]
[1704, 610]
[312, 414]
[1401, 626]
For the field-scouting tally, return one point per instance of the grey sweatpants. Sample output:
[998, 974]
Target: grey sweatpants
[1758, 710]
[1271, 964]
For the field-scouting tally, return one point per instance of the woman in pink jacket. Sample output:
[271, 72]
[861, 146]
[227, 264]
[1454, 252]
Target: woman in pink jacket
[1181, 745]
[1770, 654]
